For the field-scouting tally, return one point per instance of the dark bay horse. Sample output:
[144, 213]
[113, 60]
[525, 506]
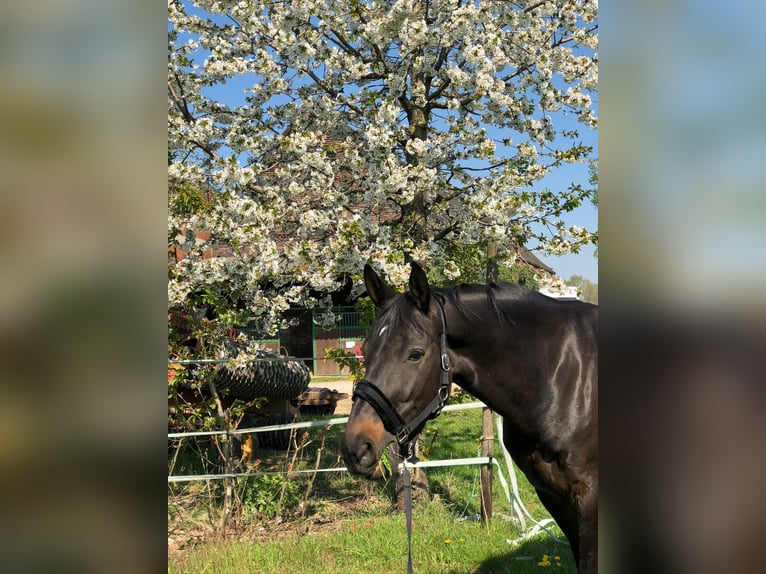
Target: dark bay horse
[530, 358]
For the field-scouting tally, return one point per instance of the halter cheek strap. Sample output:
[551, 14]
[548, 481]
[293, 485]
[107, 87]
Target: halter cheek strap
[367, 391]
[405, 433]
[392, 420]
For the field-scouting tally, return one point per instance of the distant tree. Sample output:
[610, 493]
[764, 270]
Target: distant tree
[471, 261]
[587, 290]
[521, 273]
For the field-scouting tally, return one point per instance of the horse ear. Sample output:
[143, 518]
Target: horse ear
[378, 291]
[419, 288]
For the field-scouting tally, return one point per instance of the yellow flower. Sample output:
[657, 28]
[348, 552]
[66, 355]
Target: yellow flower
[447, 541]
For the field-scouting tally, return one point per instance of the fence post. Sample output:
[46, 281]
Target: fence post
[487, 437]
[487, 428]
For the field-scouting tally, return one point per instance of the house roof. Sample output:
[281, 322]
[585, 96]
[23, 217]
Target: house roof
[527, 256]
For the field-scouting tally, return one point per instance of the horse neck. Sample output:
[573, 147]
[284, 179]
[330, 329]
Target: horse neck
[490, 351]
[476, 324]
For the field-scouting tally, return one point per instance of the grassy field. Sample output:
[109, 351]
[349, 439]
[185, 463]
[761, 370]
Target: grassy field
[337, 523]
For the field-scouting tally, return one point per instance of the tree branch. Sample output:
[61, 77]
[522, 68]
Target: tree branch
[183, 107]
[180, 103]
[334, 93]
[439, 91]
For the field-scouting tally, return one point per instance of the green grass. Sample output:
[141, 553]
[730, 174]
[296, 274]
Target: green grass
[440, 545]
[346, 524]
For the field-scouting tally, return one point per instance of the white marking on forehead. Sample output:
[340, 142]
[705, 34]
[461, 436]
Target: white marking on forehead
[382, 330]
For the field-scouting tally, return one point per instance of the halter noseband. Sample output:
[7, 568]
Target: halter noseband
[392, 420]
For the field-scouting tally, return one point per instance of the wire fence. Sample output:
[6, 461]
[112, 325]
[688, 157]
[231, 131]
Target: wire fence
[511, 490]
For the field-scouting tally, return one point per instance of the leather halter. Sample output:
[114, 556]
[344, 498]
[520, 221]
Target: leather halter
[405, 433]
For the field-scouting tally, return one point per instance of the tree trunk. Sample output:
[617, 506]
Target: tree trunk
[493, 271]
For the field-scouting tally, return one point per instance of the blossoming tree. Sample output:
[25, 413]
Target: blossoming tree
[309, 137]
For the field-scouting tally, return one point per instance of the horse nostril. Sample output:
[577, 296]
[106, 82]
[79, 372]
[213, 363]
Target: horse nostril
[361, 443]
[359, 457]
[367, 454]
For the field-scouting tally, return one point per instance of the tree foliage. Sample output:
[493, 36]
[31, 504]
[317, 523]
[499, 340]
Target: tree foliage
[587, 290]
[308, 138]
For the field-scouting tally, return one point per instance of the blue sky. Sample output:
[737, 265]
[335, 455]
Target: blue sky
[583, 263]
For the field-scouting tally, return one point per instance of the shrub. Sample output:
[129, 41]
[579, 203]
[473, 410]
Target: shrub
[268, 495]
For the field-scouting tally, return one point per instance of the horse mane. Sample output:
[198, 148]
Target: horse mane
[500, 298]
[503, 300]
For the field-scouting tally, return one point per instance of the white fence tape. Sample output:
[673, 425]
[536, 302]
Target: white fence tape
[420, 464]
[307, 424]
[515, 500]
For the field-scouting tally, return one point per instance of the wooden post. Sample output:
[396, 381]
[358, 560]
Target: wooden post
[487, 428]
[487, 437]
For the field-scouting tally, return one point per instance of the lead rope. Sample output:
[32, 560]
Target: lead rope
[407, 488]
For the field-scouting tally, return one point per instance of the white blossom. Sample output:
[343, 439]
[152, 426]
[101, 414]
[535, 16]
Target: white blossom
[451, 270]
[364, 131]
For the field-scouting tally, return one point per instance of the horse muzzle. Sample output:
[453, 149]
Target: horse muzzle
[362, 446]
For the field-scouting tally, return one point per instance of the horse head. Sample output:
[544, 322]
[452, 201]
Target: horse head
[403, 388]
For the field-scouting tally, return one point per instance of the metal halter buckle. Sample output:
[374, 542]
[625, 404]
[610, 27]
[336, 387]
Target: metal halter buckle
[445, 362]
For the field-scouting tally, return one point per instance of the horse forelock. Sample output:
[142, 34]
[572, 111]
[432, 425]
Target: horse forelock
[398, 314]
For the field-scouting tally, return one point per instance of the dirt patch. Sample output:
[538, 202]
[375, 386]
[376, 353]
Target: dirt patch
[343, 407]
[327, 515]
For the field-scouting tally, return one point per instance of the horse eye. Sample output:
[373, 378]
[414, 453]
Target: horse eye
[416, 354]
